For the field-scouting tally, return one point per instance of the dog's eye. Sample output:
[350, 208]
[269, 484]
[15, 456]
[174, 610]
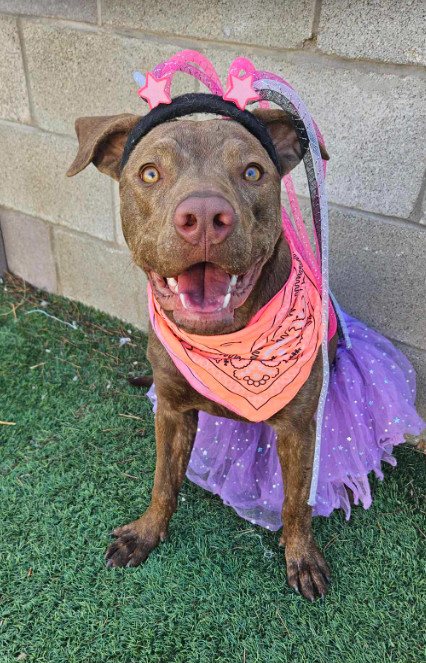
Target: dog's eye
[253, 173]
[149, 174]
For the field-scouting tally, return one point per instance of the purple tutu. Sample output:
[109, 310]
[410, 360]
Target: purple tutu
[369, 408]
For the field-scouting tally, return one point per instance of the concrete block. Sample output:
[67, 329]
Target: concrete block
[88, 72]
[33, 166]
[378, 274]
[282, 24]
[372, 124]
[418, 359]
[29, 249]
[389, 31]
[102, 276]
[77, 10]
[13, 90]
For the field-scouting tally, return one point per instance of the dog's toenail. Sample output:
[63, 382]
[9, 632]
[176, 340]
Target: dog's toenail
[109, 563]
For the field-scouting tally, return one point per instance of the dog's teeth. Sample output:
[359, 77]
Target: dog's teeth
[226, 300]
[234, 279]
[173, 284]
[182, 299]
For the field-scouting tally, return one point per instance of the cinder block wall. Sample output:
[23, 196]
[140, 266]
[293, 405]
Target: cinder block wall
[358, 64]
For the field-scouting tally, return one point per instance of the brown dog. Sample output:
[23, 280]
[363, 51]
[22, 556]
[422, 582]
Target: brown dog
[191, 213]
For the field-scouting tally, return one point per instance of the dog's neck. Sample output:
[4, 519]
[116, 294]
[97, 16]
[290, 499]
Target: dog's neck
[273, 276]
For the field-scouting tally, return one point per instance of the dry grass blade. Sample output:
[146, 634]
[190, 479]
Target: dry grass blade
[131, 476]
[283, 622]
[131, 416]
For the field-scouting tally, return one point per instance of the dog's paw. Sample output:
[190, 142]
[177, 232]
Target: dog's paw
[307, 570]
[132, 546]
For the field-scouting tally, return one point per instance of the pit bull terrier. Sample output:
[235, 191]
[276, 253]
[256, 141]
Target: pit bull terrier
[201, 214]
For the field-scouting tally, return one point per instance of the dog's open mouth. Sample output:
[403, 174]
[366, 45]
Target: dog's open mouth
[204, 297]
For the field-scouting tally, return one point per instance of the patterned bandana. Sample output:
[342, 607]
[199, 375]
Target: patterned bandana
[257, 370]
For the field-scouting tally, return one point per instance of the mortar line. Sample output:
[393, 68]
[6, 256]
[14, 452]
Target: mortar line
[311, 41]
[376, 216]
[26, 71]
[312, 55]
[110, 244]
[316, 19]
[115, 201]
[35, 128]
[99, 11]
[416, 213]
[406, 343]
[63, 227]
[53, 246]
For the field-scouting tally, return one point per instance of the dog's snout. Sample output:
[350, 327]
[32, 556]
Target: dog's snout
[210, 219]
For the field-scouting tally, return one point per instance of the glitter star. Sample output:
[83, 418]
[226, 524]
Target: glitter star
[154, 91]
[240, 91]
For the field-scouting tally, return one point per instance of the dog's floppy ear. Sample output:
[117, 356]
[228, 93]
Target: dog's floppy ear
[285, 139]
[101, 142]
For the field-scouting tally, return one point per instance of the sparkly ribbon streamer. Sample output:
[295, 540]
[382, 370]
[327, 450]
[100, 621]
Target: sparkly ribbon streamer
[285, 97]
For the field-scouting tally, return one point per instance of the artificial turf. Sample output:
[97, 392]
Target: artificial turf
[80, 460]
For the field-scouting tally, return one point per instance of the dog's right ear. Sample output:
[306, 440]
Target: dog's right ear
[284, 137]
[101, 142]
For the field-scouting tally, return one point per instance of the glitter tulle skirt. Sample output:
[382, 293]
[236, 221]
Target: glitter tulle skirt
[369, 408]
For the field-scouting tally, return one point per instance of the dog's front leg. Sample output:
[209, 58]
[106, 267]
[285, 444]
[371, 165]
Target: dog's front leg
[307, 570]
[175, 434]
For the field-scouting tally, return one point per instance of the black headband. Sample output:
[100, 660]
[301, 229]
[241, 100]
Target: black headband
[187, 104]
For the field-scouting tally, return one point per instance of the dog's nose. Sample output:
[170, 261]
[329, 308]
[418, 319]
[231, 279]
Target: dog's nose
[210, 219]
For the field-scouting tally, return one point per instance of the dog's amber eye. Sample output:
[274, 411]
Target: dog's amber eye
[149, 174]
[252, 173]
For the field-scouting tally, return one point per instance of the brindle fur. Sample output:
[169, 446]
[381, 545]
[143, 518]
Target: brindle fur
[196, 157]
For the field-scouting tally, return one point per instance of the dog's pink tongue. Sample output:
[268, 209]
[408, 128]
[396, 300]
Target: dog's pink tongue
[204, 287]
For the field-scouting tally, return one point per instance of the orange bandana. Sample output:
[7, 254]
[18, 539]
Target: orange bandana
[257, 370]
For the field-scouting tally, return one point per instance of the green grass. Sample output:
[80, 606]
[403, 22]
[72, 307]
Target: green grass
[72, 468]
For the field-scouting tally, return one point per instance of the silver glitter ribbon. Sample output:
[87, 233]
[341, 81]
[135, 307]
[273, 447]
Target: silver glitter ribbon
[282, 95]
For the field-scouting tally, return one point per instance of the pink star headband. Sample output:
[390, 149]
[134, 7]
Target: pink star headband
[156, 90]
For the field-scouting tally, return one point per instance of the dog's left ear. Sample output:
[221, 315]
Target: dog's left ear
[101, 141]
[285, 139]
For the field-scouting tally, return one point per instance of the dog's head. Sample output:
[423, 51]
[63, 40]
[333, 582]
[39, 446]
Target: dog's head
[200, 207]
